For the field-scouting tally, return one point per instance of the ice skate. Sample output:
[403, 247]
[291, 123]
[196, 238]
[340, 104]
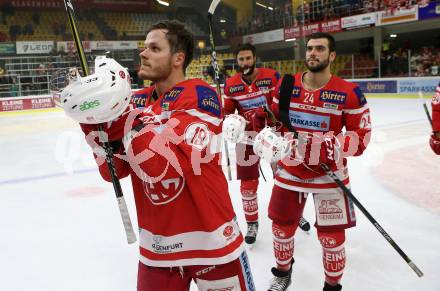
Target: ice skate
[252, 231]
[281, 279]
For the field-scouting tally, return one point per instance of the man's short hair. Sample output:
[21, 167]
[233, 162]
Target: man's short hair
[245, 47]
[330, 38]
[179, 37]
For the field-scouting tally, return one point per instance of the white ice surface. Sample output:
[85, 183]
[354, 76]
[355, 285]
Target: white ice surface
[60, 228]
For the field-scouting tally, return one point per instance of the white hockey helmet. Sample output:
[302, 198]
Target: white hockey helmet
[100, 97]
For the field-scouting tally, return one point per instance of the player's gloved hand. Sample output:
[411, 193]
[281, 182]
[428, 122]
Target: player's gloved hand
[234, 128]
[434, 142]
[259, 118]
[318, 148]
[271, 147]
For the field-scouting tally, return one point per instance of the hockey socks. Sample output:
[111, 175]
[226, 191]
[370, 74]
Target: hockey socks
[333, 256]
[283, 245]
[248, 189]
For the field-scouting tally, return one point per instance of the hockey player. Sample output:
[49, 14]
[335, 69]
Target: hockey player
[320, 106]
[165, 142]
[434, 141]
[249, 89]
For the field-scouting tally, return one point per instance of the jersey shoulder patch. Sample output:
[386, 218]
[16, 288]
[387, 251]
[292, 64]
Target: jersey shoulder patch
[139, 100]
[360, 95]
[207, 100]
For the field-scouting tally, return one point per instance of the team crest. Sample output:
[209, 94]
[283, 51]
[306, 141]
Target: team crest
[164, 191]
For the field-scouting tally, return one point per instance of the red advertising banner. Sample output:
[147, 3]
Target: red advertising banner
[299, 31]
[311, 28]
[331, 26]
[15, 104]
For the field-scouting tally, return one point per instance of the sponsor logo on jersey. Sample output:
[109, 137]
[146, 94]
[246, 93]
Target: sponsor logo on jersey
[263, 82]
[208, 100]
[164, 249]
[197, 135]
[307, 107]
[309, 121]
[249, 280]
[173, 94]
[253, 103]
[329, 209]
[330, 106]
[360, 96]
[329, 206]
[139, 100]
[333, 97]
[89, 105]
[296, 92]
[205, 270]
[236, 89]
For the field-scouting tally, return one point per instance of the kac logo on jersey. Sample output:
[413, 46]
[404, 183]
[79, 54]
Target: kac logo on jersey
[333, 97]
[164, 191]
[208, 100]
[309, 121]
[236, 89]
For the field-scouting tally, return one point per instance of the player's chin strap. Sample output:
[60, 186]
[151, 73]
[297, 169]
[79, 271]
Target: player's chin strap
[284, 108]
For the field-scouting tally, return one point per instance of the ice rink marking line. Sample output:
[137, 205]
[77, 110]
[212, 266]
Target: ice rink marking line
[43, 177]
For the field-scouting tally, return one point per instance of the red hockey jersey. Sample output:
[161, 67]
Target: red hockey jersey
[243, 97]
[184, 211]
[337, 105]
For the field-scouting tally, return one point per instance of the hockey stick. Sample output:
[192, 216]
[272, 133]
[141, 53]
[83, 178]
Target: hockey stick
[214, 63]
[284, 106]
[131, 237]
[425, 107]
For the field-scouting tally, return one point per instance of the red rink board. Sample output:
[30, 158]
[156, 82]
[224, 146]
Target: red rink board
[26, 103]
